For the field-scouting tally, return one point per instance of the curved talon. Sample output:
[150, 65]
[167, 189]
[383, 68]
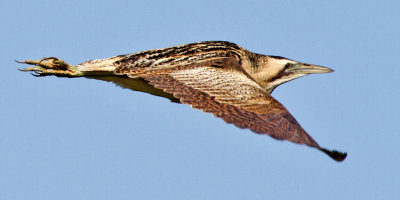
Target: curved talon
[39, 74]
[35, 75]
[22, 62]
[51, 57]
[48, 58]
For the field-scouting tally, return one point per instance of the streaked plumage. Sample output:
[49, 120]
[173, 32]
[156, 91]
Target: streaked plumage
[218, 77]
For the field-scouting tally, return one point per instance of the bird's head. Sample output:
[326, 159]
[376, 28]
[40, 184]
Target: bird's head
[274, 70]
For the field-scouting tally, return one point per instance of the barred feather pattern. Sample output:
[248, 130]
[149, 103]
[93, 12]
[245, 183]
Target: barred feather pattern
[179, 55]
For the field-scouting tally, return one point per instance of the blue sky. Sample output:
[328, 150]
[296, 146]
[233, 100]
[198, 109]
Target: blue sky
[84, 139]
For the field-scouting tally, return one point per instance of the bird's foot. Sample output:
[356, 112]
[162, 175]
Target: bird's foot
[50, 66]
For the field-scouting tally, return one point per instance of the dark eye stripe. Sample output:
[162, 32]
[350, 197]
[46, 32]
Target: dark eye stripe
[280, 74]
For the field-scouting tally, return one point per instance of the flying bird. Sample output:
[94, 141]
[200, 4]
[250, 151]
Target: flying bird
[217, 77]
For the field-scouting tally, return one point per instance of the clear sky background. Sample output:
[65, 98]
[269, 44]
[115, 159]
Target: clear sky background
[85, 139]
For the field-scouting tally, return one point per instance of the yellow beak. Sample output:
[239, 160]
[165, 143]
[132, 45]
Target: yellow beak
[305, 68]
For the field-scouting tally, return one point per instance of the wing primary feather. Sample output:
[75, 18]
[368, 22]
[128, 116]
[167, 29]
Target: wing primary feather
[336, 155]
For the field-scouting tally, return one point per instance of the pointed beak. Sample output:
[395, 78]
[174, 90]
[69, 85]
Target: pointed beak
[304, 68]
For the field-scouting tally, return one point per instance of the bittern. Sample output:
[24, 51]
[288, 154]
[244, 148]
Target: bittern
[218, 77]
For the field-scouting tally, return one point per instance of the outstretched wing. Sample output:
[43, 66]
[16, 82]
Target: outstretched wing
[221, 87]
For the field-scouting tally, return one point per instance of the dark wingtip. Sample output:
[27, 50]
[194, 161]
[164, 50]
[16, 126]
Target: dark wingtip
[336, 155]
